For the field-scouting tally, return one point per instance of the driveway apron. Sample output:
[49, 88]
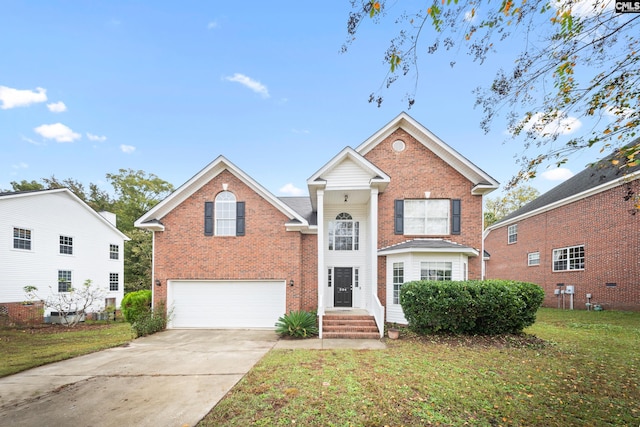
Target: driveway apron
[172, 378]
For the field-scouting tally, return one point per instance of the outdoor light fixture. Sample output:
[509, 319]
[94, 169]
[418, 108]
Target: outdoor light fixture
[346, 198]
[291, 282]
[158, 283]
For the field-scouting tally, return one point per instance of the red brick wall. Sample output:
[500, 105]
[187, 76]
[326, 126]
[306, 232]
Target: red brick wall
[611, 238]
[414, 171]
[267, 251]
[17, 313]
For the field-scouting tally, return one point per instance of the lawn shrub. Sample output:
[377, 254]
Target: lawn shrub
[150, 321]
[136, 304]
[297, 324]
[487, 307]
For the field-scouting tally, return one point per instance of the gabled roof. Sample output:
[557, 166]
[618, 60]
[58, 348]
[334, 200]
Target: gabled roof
[428, 245]
[68, 193]
[152, 219]
[599, 177]
[379, 178]
[483, 182]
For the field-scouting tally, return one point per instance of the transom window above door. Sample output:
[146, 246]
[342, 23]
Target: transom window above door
[344, 233]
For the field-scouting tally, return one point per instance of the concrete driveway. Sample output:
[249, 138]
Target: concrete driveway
[172, 378]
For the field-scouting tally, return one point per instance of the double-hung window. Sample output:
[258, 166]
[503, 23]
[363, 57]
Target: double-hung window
[21, 238]
[533, 258]
[64, 280]
[567, 259]
[114, 252]
[426, 217]
[344, 233]
[66, 245]
[435, 270]
[114, 281]
[512, 234]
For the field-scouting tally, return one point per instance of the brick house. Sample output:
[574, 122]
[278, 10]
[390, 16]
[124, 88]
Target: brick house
[582, 234]
[53, 240]
[401, 206]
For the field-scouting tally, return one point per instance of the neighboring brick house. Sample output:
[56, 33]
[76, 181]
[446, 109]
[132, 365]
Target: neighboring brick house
[583, 233]
[401, 206]
[52, 240]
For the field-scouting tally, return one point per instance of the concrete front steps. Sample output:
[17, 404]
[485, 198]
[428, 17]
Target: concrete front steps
[349, 326]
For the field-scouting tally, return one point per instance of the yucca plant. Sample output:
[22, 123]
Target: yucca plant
[297, 324]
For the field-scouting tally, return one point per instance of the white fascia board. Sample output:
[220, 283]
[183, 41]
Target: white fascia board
[567, 200]
[201, 178]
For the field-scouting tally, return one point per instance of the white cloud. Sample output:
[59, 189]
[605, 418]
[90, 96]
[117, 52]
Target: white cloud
[291, 190]
[212, 25]
[546, 126]
[557, 174]
[31, 141]
[471, 15]
[93, 137]
[57, 107]
[21, 165]
[300, 131]
[58, 132]
[12, 98]
[127, 148]
[248, 82]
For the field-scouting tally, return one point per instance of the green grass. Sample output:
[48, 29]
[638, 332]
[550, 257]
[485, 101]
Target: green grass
[24, 348]
[583, 369]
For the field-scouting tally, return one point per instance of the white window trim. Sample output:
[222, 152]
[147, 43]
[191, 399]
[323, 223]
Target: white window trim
[512, 234]
[30, 239]
[112, 252]
[568, 260]
[344, 218]
[60, 245]
[531, 258]
[396, 292]
[220, 200]
[425, 218]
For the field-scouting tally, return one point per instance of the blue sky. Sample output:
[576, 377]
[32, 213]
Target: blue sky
[87, 88]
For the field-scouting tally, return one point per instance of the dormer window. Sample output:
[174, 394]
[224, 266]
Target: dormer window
[344, 233]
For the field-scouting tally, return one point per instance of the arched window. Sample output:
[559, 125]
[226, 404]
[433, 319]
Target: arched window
[225, 213]
[344, 233]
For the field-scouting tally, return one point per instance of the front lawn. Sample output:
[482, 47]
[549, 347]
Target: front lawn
[28, 347]
[574, 368]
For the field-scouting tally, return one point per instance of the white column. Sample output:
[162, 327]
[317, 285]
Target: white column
[373, 245]
[321, 267]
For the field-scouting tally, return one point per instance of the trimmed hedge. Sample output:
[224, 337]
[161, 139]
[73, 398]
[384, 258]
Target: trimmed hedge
[135, 305]
[488, 307]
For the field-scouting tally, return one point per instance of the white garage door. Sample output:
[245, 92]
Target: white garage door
[226, 304]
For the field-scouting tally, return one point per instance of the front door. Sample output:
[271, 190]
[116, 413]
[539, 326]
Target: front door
[343, 287]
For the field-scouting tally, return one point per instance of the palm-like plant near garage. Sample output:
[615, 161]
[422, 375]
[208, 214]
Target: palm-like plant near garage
[297, 324]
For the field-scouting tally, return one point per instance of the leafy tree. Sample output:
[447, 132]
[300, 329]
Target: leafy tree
[25, 185]
[498, 207]
[136, 193]
[574, 60]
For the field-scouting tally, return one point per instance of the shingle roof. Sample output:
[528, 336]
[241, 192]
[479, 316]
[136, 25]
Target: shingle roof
[593, 176]
[425, 244]
[302, 205]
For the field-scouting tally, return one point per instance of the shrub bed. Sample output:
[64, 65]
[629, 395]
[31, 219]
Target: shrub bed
[488, 307]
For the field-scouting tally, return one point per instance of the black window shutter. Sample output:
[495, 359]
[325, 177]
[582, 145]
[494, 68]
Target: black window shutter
[455, 216]
[208, 218]
[240, 223]
[398, 215]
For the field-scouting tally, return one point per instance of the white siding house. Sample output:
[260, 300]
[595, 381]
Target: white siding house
[51, 237]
